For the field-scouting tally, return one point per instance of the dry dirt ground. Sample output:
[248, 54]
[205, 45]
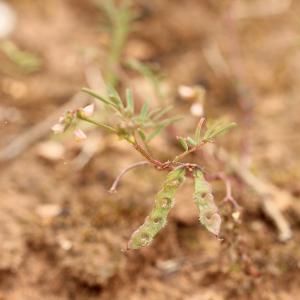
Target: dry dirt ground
[62, 233]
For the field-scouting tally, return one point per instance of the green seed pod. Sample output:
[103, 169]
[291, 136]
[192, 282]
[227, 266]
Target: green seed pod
[204, 199]
[157, 219]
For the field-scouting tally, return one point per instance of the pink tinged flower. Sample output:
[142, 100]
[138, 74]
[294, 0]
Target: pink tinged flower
[88, 110]
[79, 135]
[58, 128]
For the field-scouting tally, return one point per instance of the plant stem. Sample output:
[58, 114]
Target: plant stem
[143, 152]
[98, 124]
[134, 143]
[113, 188]
[158, 164]
[194, 149]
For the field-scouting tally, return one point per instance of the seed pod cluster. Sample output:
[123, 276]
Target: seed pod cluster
[204, 199]
[157, 219]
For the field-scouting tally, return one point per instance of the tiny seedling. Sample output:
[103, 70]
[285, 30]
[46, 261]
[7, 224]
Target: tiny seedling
[138, 129]
[119, 19]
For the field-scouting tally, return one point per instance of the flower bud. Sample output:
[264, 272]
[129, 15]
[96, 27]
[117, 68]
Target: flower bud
[88, 110]
[79, 135]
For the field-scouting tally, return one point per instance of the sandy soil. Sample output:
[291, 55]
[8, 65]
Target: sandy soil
[61, 231]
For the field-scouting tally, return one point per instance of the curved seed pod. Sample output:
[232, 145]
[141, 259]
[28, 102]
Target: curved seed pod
[204, 199]
[157, 219]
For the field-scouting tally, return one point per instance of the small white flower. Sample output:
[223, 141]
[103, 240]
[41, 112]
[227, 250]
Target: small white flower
[79, 135]
[58, 128]
[88, 110]
[186, 92]
[197, 110]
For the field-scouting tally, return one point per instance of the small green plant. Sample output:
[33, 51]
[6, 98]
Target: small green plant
[25, 61]
[119, 18]
[138, 129]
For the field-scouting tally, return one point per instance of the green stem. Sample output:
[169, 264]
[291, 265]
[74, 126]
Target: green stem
[98, 124]
[184, 154]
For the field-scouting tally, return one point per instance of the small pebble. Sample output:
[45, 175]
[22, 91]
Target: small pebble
[51, 151]
[48, 210]
[7, 20]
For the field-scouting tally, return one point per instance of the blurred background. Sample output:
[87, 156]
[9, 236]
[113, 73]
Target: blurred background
[61, 231]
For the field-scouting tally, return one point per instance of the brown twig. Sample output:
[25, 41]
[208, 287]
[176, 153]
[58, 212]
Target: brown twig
[158, 164]
[192, 150]
[114, 186]
[146, 155]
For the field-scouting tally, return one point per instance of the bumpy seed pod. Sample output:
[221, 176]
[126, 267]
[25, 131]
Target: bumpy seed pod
[204, 199]
[157, 219]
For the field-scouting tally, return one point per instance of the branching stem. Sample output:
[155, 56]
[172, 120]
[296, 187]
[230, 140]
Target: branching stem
[113, 188]
[194, 149]
[158, 164]
[228, 197]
